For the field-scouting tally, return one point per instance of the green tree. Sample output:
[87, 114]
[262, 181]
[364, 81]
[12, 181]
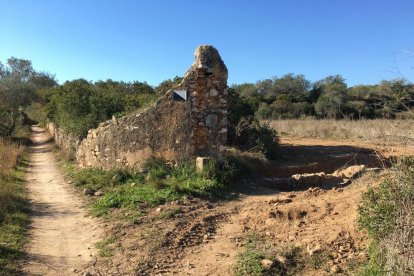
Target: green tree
[295, 85]
[246, 89]
[18, 84]
[332, 102]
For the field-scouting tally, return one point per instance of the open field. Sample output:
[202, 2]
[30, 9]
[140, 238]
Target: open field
[384, 132]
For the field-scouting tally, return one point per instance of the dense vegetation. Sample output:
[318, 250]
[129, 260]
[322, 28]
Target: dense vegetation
[387, 213]
[76, 105]
[293, 96]
[79, 105]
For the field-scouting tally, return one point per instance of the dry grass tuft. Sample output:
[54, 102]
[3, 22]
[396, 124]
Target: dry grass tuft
[381, 131]
[10, 155]
[14, 216]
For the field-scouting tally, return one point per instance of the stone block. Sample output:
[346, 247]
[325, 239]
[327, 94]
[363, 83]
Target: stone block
[201, 162]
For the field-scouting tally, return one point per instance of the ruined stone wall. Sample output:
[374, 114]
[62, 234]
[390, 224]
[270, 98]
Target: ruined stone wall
[63, 139]
[163, 130]
[174, 130]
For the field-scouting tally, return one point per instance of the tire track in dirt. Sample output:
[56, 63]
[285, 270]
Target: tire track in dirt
[62, 235]
[314, 218]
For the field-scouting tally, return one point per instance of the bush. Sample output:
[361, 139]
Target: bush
[238, 108]
[387, 213]
[227, 171]
[377, 210]
[253, 136]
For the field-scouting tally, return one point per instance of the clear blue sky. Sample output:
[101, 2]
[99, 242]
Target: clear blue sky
[154, 40]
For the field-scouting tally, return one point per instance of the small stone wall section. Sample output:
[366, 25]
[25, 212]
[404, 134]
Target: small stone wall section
[66, 141]
[175, 130]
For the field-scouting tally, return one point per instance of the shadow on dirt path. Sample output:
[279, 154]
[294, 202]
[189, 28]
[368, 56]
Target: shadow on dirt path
[62, 235]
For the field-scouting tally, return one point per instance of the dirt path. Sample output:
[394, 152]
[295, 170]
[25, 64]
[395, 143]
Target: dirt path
[62, 235]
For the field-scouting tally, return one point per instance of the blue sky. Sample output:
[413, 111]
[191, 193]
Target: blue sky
[154, 40]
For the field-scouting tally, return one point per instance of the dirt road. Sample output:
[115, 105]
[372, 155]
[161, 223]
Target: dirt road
[62, 235]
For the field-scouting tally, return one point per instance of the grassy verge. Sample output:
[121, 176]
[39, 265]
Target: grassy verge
[14, 208]
[386, 212]
[158, 183]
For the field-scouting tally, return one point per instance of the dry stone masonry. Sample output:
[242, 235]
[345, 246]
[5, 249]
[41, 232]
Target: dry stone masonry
[190, 120]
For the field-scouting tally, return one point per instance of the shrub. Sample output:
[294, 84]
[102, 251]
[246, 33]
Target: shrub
[238, 108]
[226, 171]
[387, 213]
[251, 135]
[377, 210]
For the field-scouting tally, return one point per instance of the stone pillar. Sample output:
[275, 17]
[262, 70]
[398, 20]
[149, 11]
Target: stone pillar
[206, 82]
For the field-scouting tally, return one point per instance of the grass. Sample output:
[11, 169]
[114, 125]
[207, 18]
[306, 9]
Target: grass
[250, 261]
[14, 208]
[169, 214]
[106, 247]
[382, 131]
[158, 183]
[10, 155]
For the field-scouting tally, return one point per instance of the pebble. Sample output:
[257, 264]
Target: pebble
[88, 191]
[281, 259]
[99, 193]
[266, 263]
[335, 269]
